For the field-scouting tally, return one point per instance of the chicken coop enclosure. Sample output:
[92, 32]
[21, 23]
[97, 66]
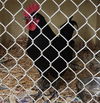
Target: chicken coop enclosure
[49, 51]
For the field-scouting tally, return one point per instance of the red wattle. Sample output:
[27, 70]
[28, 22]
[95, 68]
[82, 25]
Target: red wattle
[32, 27]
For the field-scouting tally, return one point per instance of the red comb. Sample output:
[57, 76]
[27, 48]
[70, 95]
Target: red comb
[32, 8]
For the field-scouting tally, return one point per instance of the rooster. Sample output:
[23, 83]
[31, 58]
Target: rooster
[45, 56]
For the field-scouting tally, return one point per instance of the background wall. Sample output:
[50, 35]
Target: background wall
[58, 19]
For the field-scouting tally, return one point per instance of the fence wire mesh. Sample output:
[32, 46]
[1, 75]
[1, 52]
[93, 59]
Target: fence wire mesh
[36, 67]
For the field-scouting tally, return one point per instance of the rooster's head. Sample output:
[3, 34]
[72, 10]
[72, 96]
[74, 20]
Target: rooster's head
[31, 19]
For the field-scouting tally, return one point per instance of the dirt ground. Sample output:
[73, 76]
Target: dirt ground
[19, 76]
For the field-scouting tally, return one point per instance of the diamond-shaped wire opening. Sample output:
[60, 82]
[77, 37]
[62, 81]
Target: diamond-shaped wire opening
[8, 17]
[69, 10]
[42, 63]
[83, 74]
[76, 65]
[59, 43]
[42, 42]
[90, 43]
[32, 48]
[25, 62]
[17, 31]
[85, 55]
[22, 40]
[7, 39]
[93, 66]
[54, 19]
[67, 72]
[52, 5]
[8, 61]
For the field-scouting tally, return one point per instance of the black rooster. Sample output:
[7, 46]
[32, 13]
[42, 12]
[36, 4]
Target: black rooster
[44, 48]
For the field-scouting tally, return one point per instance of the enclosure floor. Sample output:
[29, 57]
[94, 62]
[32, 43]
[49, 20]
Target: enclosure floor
[18, 76]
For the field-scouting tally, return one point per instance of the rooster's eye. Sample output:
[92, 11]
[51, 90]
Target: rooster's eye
[35, 16]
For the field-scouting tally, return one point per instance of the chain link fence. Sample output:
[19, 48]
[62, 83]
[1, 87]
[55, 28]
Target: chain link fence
[45, 65]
